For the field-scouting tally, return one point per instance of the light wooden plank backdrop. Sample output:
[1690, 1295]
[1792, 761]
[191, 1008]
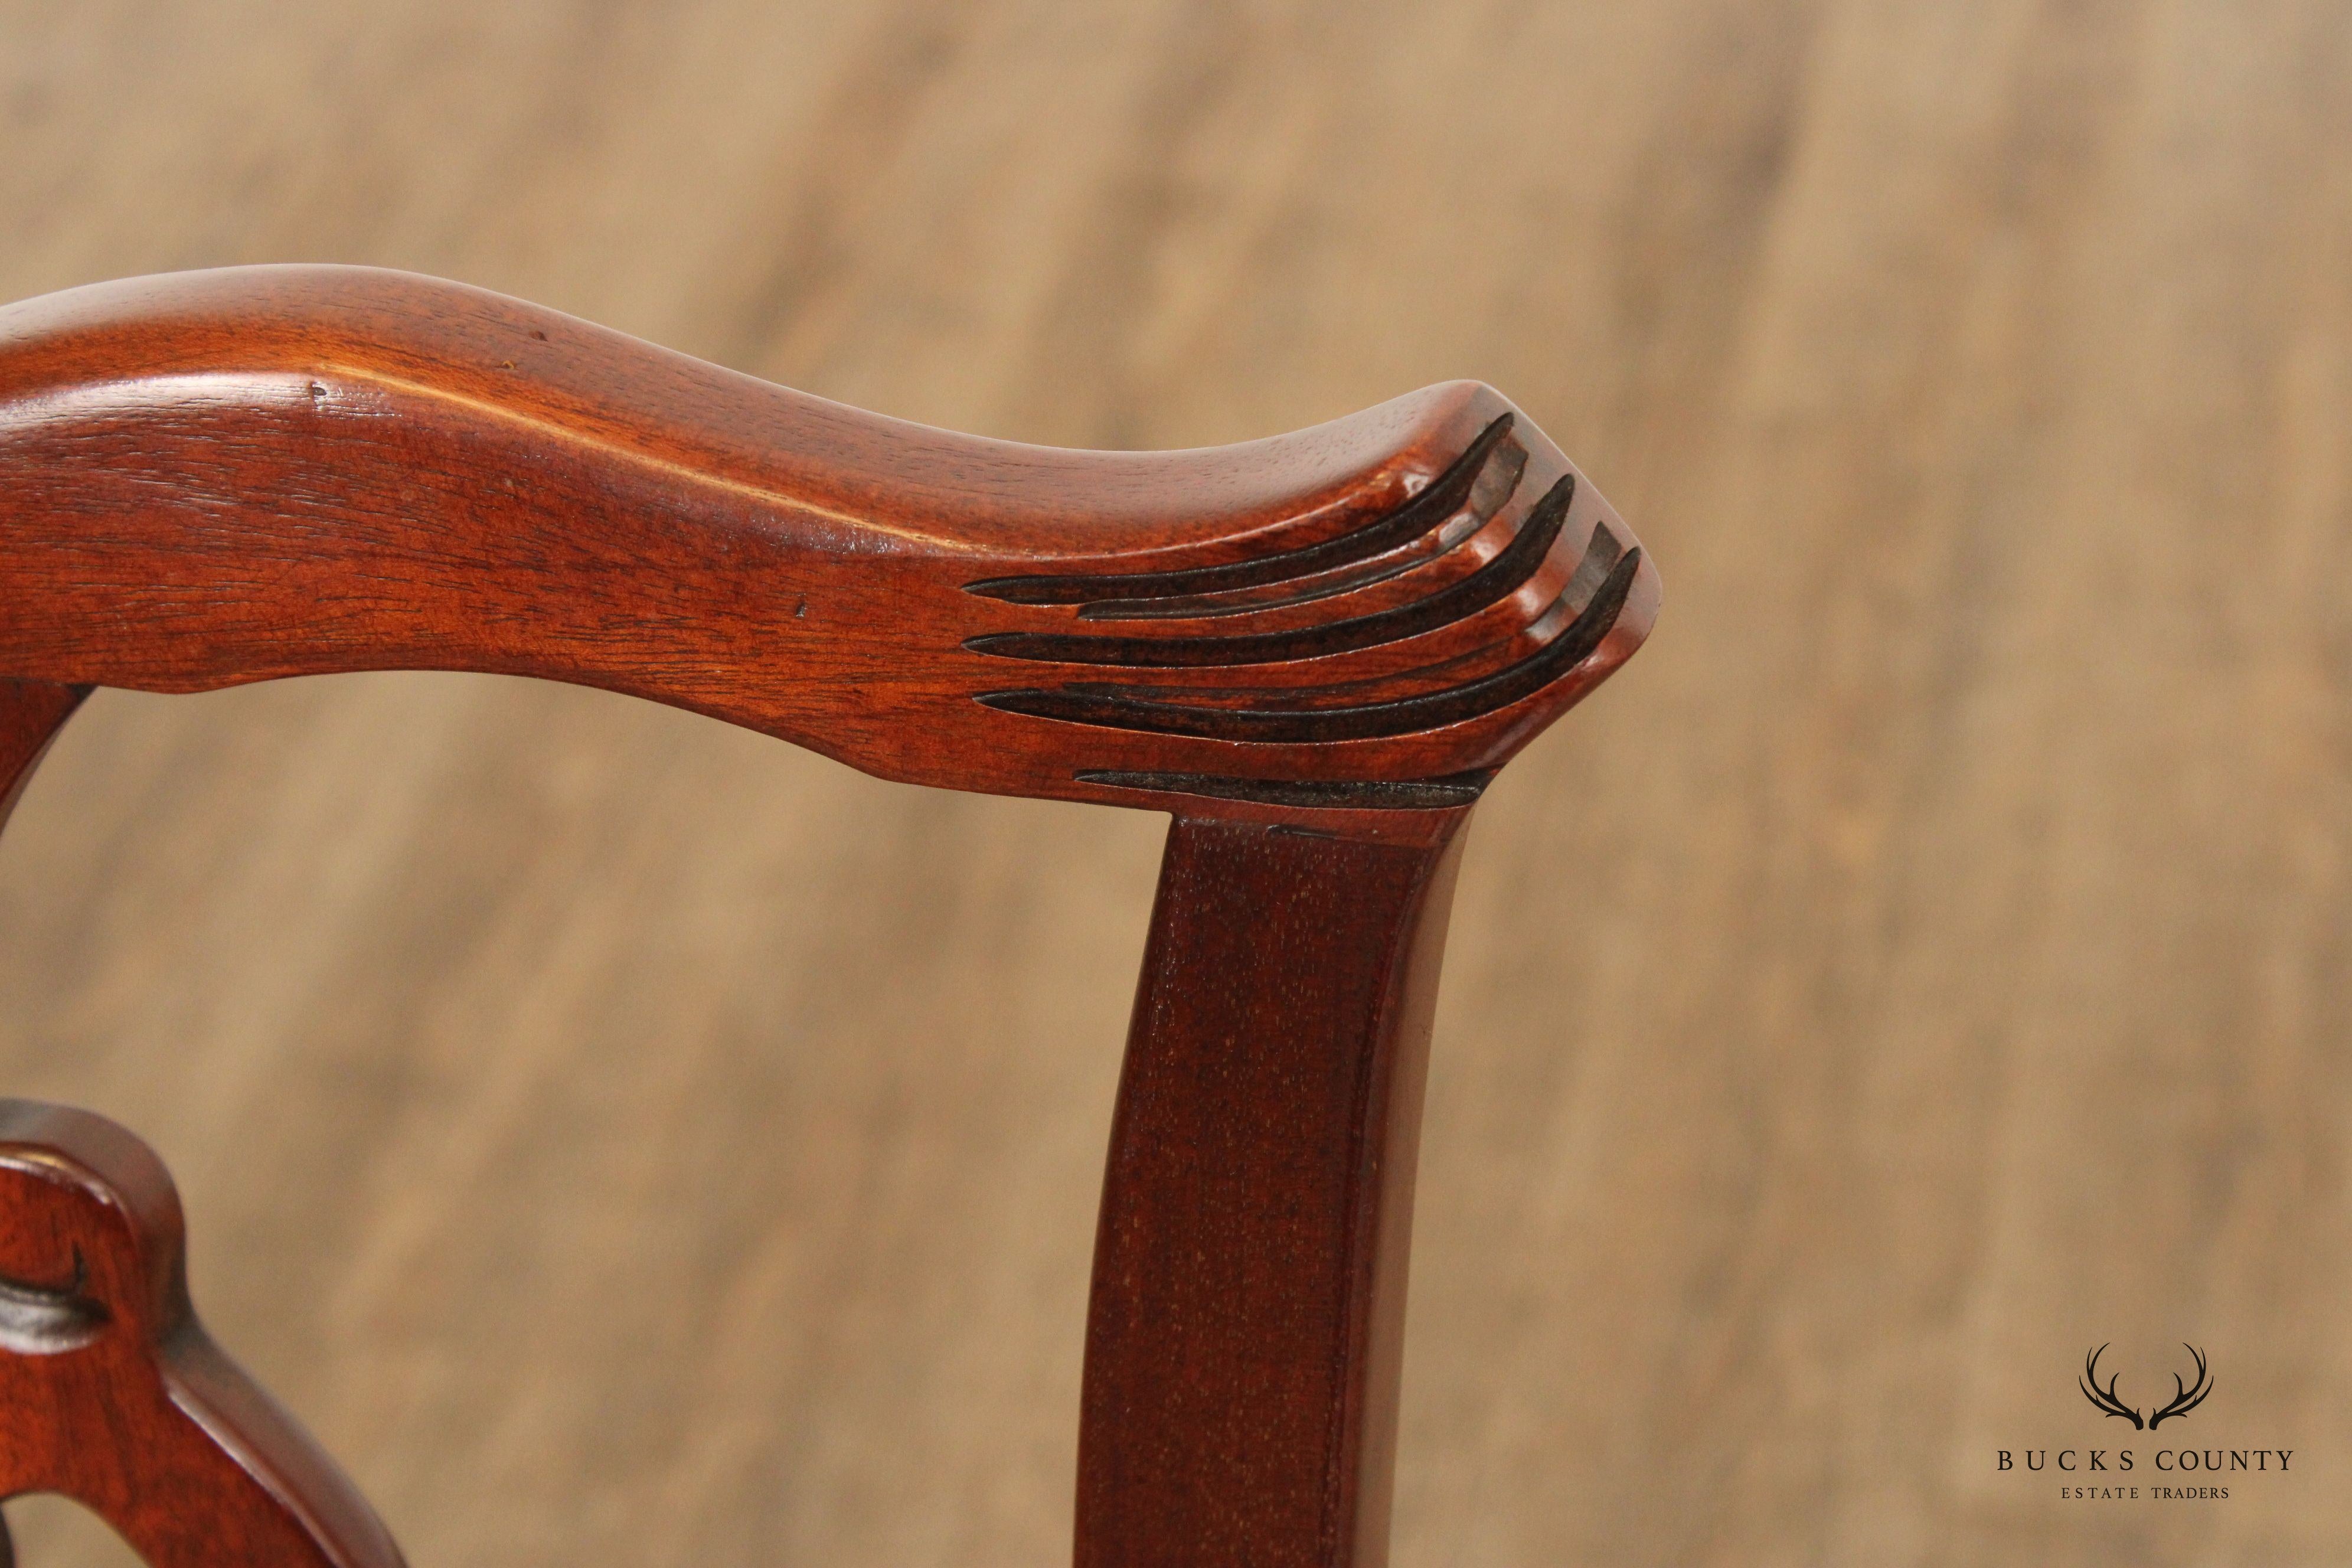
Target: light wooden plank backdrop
[626, 1140]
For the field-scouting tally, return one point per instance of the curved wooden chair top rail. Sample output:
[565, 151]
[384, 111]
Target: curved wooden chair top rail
[217, 477]
[223, 477]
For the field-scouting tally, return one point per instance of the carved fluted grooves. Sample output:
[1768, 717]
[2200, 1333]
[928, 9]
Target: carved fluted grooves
[1313, 649]
[1298, 688]
[1112, 596]
[1112, 708]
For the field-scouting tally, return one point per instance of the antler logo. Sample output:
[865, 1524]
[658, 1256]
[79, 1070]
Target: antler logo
[2186, 1397]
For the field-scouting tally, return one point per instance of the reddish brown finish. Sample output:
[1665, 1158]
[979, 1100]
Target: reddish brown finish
[222, 476]
[1243, 1342]
[111, 1395]
[31, 714]
[1315, 649]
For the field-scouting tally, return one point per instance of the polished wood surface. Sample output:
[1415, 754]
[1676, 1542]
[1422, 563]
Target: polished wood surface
[217, 477]
[220, 477]
[1247, 1317]
[110, 1391]
[1948, 902]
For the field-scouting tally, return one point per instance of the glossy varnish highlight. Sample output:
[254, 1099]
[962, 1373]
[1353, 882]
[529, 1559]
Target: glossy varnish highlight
[1314, 651]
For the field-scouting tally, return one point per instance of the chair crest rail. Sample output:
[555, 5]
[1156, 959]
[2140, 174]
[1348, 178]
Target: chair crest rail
[1313, 650]
[221, 477]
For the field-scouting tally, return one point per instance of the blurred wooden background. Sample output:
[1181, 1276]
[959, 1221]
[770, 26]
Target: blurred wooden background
[625, 1140]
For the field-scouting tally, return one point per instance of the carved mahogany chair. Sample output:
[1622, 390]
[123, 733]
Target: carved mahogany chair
[1311, 651]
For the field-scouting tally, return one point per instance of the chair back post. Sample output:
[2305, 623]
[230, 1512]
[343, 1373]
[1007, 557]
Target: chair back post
[1244, 1337]
[1314, 651]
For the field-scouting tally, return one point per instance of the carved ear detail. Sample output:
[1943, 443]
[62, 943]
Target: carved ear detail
[110, 1393]
[1301, 687]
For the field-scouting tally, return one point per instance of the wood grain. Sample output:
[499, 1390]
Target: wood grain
[1949, 904]
[216, 478]
[241, 474]
[1247, 1307]
[116, 1396]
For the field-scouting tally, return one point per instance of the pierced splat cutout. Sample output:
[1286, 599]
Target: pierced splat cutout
[110, 1392]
